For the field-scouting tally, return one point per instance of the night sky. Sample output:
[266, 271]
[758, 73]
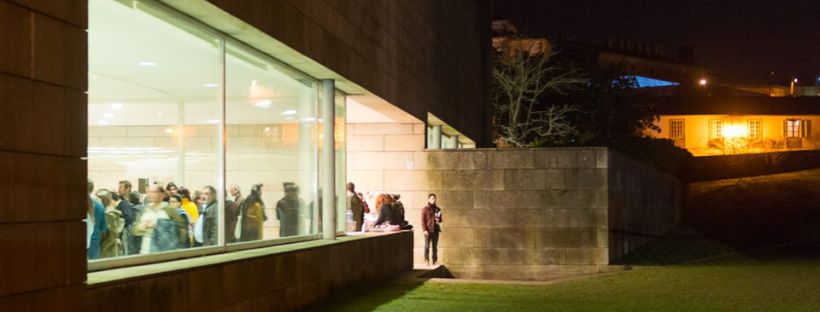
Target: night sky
[742, 41]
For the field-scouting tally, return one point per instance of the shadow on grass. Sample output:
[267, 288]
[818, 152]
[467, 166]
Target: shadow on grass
[764, 218]
[368, 297]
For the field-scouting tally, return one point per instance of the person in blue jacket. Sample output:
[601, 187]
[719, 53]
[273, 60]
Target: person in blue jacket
[95, 222]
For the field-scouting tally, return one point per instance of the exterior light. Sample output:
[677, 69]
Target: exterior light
[702, 82]
[289, 112]
[210, 85]
[116, 106]
[263, 104]
[146, 63]
[734, 131]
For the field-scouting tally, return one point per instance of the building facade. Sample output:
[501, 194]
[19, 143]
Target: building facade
[245, 102]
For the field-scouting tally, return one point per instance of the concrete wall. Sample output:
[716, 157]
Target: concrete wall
[420, 55]
[262, 280]
[43, 120]
[643, 204]
[525, 214]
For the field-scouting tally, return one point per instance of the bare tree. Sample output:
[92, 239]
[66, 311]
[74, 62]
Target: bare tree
[521, 79]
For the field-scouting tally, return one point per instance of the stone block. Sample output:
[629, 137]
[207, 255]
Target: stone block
[382, 128]
[592, 158]
[15, 58]
[458, 238]
[471, 159]
[427, 160]
[576, 199]
[36, 248]
[511, 199]
[404, 143]
[365, 143]
[510, 159]
[380, 160]
[32, 177]
[586, 179]
[566, 237]
[534, 179]
[555, 158]
[366, 180]
[419, 128]
[547, 256]
[60, 53]
[587, 256]
[509, 237]
[403, 180]
[472, 179]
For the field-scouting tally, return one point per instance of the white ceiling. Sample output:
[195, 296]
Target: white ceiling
[145, 71]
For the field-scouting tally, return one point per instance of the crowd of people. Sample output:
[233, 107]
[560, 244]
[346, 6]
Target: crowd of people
[169, 217]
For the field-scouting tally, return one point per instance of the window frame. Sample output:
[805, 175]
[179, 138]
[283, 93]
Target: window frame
[164, 11]
[759, 128]
[672, 122]
[713, 124]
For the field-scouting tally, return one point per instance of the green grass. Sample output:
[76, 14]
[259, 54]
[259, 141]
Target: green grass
[774, 286]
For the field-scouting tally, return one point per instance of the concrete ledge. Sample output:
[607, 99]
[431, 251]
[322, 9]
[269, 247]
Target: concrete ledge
[282, 277]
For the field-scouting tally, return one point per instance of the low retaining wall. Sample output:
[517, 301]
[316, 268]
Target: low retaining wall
[533, 214]
[709, 168]
[268, 279]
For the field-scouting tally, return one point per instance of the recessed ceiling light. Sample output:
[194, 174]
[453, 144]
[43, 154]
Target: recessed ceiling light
[263, 104]
[253, 83]
[308, 119]
[289, 112]
[108, 115]
[116, 106]
[212, 121]
[103, 122]
[267, 129]
[290, 118]
[146, 63]
[169, 130]
[211, 85]
[160, 114]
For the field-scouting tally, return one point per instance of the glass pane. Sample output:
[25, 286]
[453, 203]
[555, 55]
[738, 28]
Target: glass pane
[271, 150]
[340, 125]
[153, 131]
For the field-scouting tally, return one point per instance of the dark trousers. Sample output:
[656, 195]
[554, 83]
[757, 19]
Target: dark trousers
[431, 238]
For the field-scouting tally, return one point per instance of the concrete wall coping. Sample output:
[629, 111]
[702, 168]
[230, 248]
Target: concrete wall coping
[496, 149]
[127, 274]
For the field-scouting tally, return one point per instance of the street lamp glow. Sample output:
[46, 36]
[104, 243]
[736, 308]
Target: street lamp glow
[702, 82]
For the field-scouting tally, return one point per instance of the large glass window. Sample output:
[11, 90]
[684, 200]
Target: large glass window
[196, 141]
[272, 154]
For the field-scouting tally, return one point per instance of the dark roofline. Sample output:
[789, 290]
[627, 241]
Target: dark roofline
[737, 105]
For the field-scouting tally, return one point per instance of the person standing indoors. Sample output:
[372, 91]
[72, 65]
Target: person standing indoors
[354, 203]
[430, 220]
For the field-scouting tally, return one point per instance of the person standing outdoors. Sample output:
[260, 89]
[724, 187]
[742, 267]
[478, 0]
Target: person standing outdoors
[430, 220]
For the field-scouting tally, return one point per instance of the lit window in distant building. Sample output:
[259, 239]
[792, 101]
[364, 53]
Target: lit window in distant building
[754, 130]
[646, 82]
[792, 128]
[676, 130]
[715, 129]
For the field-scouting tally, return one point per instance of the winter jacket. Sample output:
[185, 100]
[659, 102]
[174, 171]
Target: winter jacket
[429, 222]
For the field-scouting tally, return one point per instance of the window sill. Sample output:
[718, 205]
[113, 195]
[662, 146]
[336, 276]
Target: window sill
[101, 278]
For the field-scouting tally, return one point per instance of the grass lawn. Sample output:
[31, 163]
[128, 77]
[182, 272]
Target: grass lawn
[773, 286]
[727, 255]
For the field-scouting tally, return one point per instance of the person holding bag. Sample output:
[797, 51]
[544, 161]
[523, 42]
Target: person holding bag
[430, 220]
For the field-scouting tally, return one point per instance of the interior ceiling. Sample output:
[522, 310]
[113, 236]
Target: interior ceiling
[143, 70]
